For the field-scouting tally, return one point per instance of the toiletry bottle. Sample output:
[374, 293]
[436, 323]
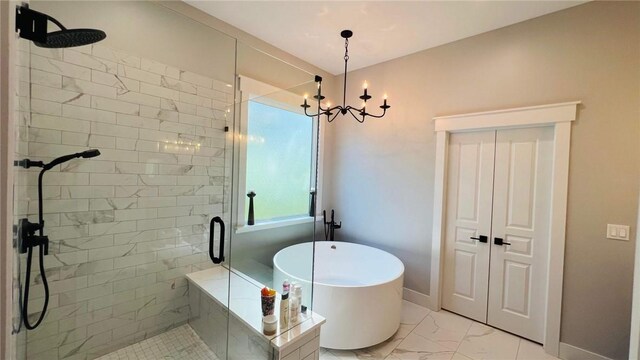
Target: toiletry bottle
[295, 302]
[284, 306]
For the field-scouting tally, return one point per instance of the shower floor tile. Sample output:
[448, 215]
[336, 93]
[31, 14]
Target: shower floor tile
[179, 343]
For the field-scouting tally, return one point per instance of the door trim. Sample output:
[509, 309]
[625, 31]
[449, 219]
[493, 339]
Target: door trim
[560, 117]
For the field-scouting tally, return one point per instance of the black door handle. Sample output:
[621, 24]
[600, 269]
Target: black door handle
[481, 238]
[500, 241]
[220, 258]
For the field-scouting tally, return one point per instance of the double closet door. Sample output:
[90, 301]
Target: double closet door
[497, 228]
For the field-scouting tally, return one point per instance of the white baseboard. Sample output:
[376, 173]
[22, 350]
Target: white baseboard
[417, 298]
[570, 352]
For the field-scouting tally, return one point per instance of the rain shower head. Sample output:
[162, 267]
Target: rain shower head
[32, 25]
[71, 37]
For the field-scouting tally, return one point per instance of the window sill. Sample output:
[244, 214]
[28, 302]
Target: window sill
[274, 224]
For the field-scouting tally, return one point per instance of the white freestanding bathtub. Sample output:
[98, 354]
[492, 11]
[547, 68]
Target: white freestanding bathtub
[357, 288]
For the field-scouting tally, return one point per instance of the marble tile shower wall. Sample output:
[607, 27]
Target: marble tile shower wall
[126, 226]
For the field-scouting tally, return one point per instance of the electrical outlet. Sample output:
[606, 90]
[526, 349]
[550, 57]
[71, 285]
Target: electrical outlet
[617, 232]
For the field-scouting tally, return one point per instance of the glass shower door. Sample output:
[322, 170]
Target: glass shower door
[128, 229]
[274, 181]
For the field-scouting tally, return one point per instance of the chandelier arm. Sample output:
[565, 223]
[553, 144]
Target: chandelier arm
[334, 117]
[384, 111]
[354, 116]
[310, 115]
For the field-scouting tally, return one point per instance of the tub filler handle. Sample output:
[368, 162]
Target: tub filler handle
[220, 258]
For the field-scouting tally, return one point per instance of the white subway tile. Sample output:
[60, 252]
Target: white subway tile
[45, 136]
[154, 224]
[159, 91]
[46, 107]
[173, 127]
[196, 79]
[136, 74]
[136, 191]
[113, 179]
[126, 144]
[138, 121]
[115, 56]
[111, 252]
[136, 168]
[211, 94]
[118, 155]
[87, 87]
[179, 106]
[121, 84]
[135, 214]
[139, 98]
[115, 105]
[84, 113]
[113, 203]
[45, 78]
[60, 206]
[86, 60]
[60, 96]
[157, 202]
[59, 67]
[114, 130]
[133, 260]
[155, 135]
[160, 114]
[159, 68]
[195, 100]
[87, 192]
[88, 166]
[112, 228]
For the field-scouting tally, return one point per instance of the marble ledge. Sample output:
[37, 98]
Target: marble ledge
[244, 294]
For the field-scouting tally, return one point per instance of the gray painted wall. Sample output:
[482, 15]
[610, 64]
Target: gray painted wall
[380, 174]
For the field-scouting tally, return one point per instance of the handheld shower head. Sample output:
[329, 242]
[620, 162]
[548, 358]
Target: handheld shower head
[90, 153]
[62, 159]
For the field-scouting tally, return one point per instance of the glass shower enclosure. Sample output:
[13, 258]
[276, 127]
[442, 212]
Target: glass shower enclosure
[169, 124]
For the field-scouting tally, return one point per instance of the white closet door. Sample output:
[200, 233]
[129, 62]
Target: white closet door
[521, 212]
[469, 197]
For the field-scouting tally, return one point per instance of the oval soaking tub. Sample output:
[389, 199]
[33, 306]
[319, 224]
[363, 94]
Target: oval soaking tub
[357, 288]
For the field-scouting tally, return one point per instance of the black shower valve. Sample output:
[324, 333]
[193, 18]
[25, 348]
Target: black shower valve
[28, 239]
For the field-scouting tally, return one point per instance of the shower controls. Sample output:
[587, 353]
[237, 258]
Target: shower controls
[28, 240]
[481, 238]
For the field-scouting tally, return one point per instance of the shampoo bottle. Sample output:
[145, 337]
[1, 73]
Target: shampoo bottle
[284, 306]
[295, 301]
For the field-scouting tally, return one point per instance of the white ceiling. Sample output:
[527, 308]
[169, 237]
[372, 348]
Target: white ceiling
[383, 30]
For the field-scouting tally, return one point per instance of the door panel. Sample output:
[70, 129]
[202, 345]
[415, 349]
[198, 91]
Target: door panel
[469, 201]
[522, 192]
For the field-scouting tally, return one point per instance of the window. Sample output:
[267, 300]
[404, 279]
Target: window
[279, 150]
[277, 157]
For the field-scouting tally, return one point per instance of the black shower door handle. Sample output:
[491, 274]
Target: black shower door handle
[220, 258]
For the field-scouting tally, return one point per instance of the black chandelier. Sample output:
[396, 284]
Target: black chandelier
[332, 112]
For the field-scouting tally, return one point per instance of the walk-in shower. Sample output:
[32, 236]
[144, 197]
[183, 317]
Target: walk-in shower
[135, 147]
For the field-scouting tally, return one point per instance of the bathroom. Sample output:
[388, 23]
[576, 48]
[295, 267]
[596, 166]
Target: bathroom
[203, 176]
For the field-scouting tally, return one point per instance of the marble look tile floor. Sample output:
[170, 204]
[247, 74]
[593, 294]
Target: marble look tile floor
[181, 343]
[427, 335]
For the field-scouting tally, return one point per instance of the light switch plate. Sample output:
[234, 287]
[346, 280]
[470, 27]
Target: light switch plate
[617, 232]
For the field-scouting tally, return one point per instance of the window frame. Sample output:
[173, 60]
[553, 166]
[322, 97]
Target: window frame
[254, 90]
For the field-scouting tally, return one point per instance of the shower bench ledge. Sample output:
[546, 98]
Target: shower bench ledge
[246, 307]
